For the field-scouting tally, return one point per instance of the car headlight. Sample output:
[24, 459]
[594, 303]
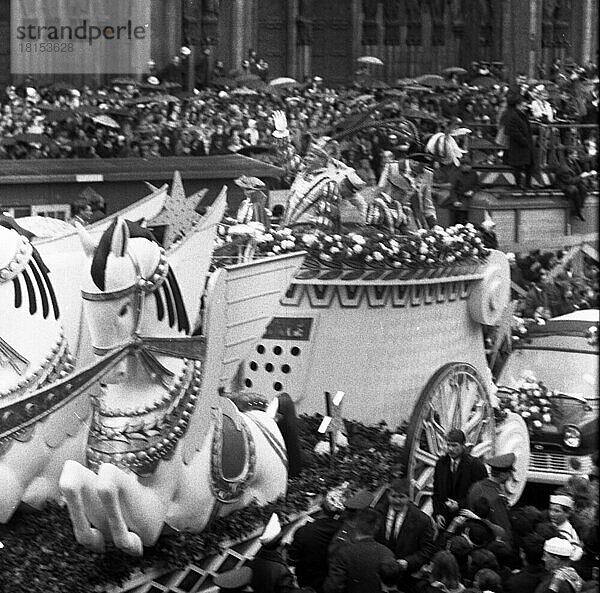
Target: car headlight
[572, 437]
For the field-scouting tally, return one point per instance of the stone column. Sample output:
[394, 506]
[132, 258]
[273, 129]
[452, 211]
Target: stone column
[587, 32]
[237, 33]
[535, 37]
[292, 40]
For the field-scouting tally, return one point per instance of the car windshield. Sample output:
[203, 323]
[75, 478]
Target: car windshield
[571, 373]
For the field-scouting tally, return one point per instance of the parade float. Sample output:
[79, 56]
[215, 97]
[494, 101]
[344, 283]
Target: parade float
[135, 442]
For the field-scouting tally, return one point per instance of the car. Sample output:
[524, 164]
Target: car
[551, 379]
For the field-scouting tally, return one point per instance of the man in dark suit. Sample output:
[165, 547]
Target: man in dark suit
[405, 530]
[519, 155]
[454, 474]
[354, 568]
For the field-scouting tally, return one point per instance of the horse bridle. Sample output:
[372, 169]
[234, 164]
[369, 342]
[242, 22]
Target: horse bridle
[139, 289]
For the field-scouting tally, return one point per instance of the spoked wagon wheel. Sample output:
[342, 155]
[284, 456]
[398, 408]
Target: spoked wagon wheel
[454, 397]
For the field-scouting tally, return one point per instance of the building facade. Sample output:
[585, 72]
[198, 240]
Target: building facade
[302, 38]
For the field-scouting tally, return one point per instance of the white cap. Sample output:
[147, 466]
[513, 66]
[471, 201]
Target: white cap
[272, 530]
[564, 500]
[75, 93]
[559, 547]
[185, 51]
[153, 80]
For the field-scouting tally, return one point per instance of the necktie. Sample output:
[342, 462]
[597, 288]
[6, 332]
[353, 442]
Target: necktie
[398, 524]
[389, 525]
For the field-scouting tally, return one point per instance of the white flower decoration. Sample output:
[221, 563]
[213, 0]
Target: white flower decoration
[398, 440]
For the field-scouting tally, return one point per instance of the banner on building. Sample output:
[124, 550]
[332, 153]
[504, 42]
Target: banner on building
[80, 36]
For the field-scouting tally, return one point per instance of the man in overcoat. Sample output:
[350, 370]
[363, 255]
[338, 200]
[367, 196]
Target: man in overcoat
[493, 490]
[354, 568]
[520, 153]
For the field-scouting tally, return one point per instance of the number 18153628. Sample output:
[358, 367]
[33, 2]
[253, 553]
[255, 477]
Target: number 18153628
[46, 47]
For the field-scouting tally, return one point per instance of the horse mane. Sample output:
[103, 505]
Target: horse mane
[36, 273]
[98, 268]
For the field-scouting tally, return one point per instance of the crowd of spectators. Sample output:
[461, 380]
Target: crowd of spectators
[155, 118]
[547, 287]
[374, 542]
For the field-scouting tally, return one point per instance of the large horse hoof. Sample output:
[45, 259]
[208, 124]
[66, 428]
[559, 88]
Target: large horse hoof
[93, 540]
[131, 544]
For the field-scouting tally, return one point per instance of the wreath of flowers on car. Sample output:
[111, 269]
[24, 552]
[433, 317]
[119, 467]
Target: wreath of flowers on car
[531, 399]
[369, 247]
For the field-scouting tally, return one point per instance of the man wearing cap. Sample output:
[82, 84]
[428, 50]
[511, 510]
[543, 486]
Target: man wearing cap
[562, 578]
[270, 573]
[352, 505]
[355, 567]
[236, 580]
[253, 207]
[561, 507]
[308, 551]
[492, 489]
[454, 474]
[405, 529]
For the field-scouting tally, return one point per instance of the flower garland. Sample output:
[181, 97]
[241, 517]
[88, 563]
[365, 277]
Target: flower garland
[437, 247]
[531, 399]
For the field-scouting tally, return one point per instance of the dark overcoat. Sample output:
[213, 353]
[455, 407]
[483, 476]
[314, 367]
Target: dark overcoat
[519, 137]
[446, 485]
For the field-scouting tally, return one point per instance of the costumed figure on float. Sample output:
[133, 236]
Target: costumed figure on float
[320, 185]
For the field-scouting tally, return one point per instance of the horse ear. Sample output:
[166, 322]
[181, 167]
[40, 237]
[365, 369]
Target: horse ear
[120, 238]
[87, 242]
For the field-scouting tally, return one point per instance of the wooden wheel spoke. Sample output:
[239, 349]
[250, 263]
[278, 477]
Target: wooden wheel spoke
[424, 479]
[474, 425]
[443, 398]
[425, 457]
[483, 449]
[423, 500]
[457, 412]
[435, 436]
[469, 399]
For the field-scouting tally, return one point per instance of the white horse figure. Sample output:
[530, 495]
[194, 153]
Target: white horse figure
[164, 447]
[39, 427]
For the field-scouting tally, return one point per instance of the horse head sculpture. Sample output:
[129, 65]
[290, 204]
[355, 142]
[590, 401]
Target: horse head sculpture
[39, 428]
[145, 467]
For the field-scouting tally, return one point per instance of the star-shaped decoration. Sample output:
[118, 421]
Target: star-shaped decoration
[179, 212]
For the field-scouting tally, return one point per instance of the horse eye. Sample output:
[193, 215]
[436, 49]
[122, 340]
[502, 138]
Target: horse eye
[123, 309]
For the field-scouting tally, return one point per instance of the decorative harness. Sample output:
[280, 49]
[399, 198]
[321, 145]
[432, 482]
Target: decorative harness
[146, 439]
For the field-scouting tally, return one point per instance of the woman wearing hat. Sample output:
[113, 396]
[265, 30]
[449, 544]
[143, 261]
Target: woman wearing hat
[519, 155]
